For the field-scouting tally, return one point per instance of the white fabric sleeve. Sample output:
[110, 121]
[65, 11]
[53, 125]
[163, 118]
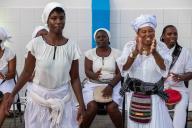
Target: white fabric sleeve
[77, 52]
[30, 48]
[89, 54]
[188, 61]
[121, 61]
[165, 54]
[11, 54]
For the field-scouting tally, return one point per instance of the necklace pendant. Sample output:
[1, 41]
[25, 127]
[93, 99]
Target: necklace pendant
[144, 52]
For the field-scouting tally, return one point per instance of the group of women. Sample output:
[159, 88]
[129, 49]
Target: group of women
[52, 64]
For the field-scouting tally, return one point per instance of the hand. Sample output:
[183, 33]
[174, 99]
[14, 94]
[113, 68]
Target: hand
[97, 75]
[139, 46]
[80, 114]
[177, 77]
[153, 46]
[107, 92]
[8, 103]
[2, 76]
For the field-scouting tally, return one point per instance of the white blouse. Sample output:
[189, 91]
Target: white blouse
[144, 67]
[52, 72]
[106, 64]
[182, 65]
[7, 56]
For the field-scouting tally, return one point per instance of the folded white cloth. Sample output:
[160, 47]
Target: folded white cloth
[56, 105]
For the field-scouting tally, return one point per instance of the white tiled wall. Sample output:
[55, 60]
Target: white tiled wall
[21, 21]
[122, 30]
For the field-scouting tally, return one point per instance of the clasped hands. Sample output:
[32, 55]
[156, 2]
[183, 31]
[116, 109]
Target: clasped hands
[145, 46]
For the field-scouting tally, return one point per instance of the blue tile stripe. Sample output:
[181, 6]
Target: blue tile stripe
[100, 16]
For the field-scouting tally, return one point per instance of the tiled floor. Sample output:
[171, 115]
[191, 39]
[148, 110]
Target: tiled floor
[101, 121]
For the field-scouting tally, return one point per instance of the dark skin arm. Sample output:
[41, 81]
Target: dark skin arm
[109, 89]
[130, 61]
[158, 59]
[95, 76]
[75, 82]
[11, 70]
[25, 75]
[89, 71]
[182, 77]
[138, 50]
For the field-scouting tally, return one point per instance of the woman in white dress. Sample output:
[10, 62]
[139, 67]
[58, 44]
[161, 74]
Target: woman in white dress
[146, 61]
[55, 59]
[180, 71]
[7, 71]
[102, 71]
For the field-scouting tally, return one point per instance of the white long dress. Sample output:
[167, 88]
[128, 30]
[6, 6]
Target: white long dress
[8, 85]
[182, 65]
[145, 68]
[51, 81]
[108, 65]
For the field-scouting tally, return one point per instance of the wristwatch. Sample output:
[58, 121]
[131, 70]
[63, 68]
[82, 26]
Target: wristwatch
[132, 55]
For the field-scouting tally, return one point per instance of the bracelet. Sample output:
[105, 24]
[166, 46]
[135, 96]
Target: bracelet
[133, 55]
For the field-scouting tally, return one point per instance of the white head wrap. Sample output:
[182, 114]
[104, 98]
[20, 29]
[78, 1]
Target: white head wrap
[37, 29]
[4, 36]
[48, 8]
[144, 21]
[103, 29]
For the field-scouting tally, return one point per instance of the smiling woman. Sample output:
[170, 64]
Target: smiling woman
[55, 59]
[180, 72]
[144, 83]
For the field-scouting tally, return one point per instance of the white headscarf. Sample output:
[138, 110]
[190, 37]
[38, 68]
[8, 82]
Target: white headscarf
[103, 29]
[4, 36]
[144, 21]
[37, 29]
[47, 10]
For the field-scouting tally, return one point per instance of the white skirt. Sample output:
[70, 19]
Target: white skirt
[37, 116]
[90, 86]
[160, 114]
[7, 86]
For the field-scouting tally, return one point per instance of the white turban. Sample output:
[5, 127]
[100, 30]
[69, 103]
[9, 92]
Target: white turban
[37, 29]
[4, 36]
[102, 29]
[48, 8]
[144, 21]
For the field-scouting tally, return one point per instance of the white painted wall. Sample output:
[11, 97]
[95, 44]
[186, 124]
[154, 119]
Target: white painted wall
[42, 3]
[115, 4]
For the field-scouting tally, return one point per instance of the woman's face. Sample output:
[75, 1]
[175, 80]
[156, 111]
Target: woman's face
[102, 39]
[170, 36]
[56, 22]
[147, 34]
